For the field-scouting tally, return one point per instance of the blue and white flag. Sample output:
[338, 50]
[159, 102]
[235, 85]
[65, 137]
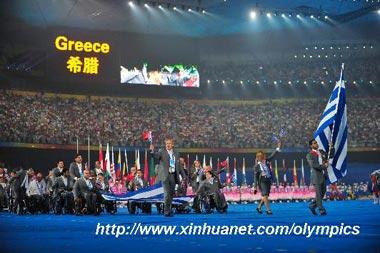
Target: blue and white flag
[333, 129]
[152, 194]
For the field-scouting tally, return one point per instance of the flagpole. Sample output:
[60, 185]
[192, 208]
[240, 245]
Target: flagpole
[77, 145]
[88, 153]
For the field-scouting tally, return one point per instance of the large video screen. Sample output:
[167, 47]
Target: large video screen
[167, 75]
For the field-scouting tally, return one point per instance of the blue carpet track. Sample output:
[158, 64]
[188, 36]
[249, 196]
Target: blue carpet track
[51, 233]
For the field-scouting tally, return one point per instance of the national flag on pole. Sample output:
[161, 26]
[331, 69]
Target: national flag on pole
[204, 161]
[100, 158]
[137, 159]
[295, 177]
[188, 161]
[234, 178]
[210, 162]
[244, 180]
[152, 173]
[118, 165]
[108, 161]
[285, 171]
[112, 163]
[125, 167]
[333, 129]
[218, 168]
[146, 166]
[228, 178]
[276, 172]
[303, 174]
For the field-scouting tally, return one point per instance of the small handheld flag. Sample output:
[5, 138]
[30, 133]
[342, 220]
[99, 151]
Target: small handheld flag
[147, 136]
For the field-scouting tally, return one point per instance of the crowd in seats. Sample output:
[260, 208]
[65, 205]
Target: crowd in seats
[295, 71]
[40, 118]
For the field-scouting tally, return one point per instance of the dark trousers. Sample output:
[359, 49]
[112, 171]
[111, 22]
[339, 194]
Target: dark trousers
[90, 198]
[65, 200]
[38, 203]
[169, 190]
[320, 191]
[19, 197]
[196, 201]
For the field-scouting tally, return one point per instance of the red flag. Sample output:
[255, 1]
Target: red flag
[223, 164]
[100, 159]
[147, 136]
[146, 166]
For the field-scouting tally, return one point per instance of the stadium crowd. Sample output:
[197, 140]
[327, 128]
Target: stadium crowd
[58, 119]
[358, 71]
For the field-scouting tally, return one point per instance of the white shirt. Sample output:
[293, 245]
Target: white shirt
[36, 188]
[80, 169]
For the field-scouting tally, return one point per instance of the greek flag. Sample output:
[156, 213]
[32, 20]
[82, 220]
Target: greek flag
[152, 194]
[333, 129]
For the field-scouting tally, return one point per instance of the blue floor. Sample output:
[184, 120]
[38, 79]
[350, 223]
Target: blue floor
[49, 233]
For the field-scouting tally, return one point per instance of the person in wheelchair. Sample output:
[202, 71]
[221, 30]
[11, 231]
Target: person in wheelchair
[102, 186]
[38, 196]
[63, 197]
[3, 189]
[84, 195]
[136, 184]
[210, 195]
[18, 185]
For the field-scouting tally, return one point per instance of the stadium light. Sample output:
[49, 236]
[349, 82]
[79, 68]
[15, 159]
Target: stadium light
[326, 17]
[312, 16]
[378, 11]
[203, 11]
[269, 15]
[283, 15]
[130, 3]
[160, 6]
[298, 16]
[189, 10]
[174, 8]
[252, 14]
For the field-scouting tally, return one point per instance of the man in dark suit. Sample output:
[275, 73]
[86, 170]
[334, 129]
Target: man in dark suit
[102, 186]
[168, 172]
[210, 187]
[196, 177]
[135, 185]
[58, 171]
[62, 193]
[84, 189]
[20, 182]
[76, 168]
[318, 162]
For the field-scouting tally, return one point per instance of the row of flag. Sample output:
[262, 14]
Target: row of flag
[119, 168]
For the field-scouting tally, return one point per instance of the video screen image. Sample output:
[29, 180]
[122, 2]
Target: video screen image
[169, 75]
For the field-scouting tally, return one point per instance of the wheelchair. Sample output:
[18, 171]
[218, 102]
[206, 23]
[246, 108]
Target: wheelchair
[59, 206]
[208, 202]
[134, 207]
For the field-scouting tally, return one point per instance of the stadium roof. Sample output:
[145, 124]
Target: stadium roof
[187, 17]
